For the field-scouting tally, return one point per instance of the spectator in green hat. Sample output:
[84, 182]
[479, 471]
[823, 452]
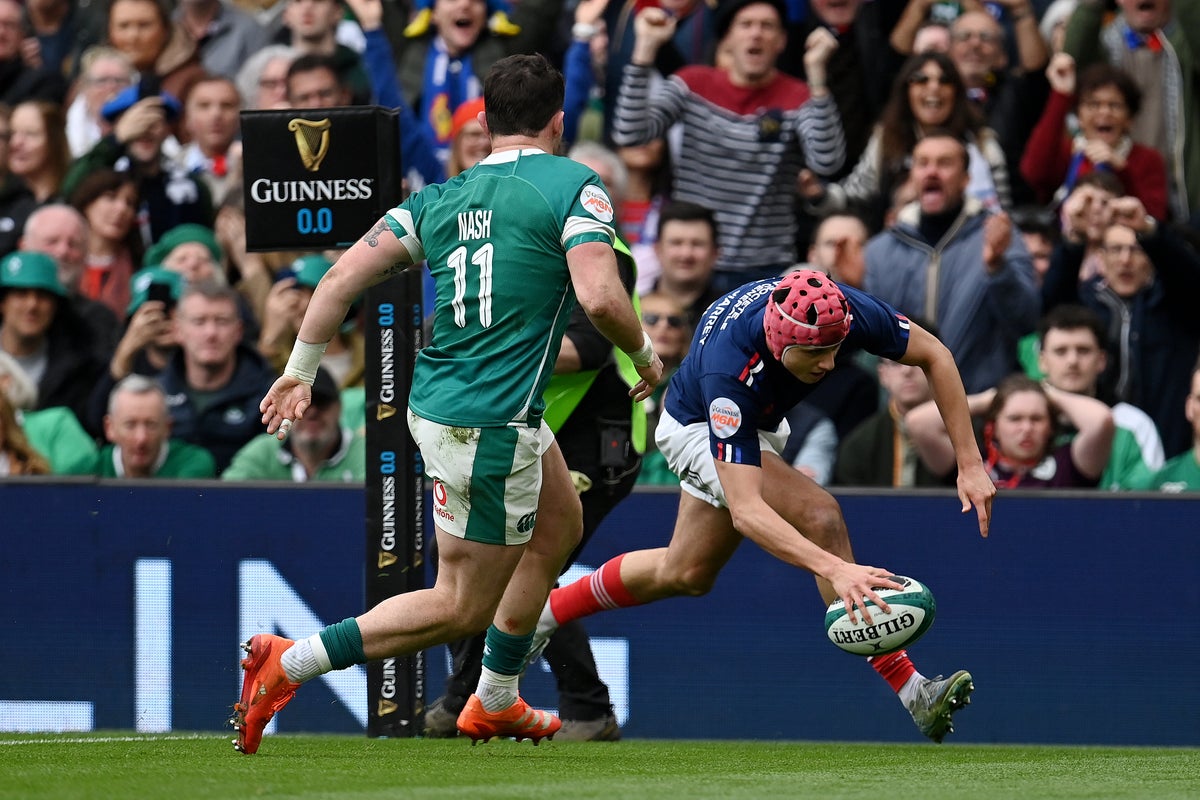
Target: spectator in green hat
[40, 329]
[154, 283]
[286, 303]
[193, 252]
[146, 346]
[149, 339]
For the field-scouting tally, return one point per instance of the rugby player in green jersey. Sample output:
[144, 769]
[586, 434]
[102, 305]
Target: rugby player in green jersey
[511, 243]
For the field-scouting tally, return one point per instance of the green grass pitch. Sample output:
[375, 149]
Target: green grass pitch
[185, 766]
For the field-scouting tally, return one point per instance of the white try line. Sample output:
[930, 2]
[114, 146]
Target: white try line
[109, 739]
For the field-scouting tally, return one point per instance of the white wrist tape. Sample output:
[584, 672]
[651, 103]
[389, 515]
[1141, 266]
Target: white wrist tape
[303, 362]
[643, 357]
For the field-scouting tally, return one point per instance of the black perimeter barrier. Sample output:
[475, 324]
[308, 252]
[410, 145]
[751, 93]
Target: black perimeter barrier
[318, 179]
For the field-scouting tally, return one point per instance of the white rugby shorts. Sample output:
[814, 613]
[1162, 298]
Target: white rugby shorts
[686, 449]
[486, 481]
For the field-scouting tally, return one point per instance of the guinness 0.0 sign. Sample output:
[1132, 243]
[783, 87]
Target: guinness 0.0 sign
[317, 179]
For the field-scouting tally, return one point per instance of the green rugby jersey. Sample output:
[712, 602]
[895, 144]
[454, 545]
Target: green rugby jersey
[495, 238]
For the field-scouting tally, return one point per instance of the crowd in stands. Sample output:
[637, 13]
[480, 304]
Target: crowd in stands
[1022, 177]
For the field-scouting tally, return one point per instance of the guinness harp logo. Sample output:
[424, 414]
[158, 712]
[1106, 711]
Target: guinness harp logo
[312, 141]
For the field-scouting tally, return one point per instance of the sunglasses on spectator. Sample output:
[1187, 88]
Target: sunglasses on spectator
[674, 320]
[922, 78]
[985, 37]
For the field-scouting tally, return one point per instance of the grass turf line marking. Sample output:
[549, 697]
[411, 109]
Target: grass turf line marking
[107, 739]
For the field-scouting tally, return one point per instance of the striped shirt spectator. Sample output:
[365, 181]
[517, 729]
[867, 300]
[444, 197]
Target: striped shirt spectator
[747, 130]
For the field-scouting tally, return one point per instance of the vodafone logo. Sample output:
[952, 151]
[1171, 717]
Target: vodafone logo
[439, 501]
[597, 203]
[724, 417]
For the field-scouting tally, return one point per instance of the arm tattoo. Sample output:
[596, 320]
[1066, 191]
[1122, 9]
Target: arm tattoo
[395, 269]
[372, 236]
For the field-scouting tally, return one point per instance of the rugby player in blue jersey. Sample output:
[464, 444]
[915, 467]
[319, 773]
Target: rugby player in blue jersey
[757, 352]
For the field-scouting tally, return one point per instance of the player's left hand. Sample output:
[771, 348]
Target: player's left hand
[975, 488]
[651, 377]
[285, 403]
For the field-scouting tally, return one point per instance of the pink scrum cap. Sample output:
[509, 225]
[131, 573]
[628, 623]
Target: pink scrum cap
[806, 309]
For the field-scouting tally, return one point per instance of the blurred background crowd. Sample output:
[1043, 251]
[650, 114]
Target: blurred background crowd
[1020, 176]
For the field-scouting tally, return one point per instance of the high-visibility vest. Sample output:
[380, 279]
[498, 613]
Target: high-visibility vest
[564, 392]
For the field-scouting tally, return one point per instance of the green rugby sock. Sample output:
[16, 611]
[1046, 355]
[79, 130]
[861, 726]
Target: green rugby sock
[343, 643]
[504, 653]
[503, 659]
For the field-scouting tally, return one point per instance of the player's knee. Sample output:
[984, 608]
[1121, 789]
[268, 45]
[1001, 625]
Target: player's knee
[825, 526]
[470, 621]
[557, 535]
[693, 581]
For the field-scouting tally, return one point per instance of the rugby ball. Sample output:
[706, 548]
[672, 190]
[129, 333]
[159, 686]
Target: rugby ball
[912, 614]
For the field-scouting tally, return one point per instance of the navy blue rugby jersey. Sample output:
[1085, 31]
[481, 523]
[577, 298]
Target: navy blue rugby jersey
[730, 380]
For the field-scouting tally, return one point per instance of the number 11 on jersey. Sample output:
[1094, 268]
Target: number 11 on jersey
[481, 258]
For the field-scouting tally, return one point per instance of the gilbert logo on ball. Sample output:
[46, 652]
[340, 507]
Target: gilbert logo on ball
[913, 610]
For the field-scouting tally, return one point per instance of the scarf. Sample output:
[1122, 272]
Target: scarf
[449, 82]
[1016, 466]
[1078, 142]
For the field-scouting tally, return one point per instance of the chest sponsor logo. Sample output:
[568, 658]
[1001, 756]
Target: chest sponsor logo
[724, 417]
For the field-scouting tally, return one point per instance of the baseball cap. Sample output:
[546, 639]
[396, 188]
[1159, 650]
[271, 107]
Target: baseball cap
[25, 269]
[324, 389]
[728, 9]
[139, 285]
[806, 309]
[125, 99]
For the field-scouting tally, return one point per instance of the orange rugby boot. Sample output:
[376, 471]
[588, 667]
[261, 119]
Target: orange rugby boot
[518, 721]
[265, 690]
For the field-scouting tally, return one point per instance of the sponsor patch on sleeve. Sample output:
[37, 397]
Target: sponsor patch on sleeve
[724, 417]
[597, 203]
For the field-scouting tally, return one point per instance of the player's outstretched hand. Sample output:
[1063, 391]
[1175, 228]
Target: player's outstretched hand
[651, 376]
[856, 584]
[285, 403]
[976, 489]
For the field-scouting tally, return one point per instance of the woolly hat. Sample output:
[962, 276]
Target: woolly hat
[728, 9]
[465, 113]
